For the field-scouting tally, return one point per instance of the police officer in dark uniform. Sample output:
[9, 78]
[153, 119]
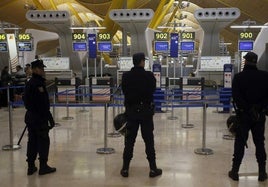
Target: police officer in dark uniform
[138, 87]
[38, 120]
[250, 94]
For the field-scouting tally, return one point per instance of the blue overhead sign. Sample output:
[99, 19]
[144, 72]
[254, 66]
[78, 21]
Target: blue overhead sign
[187, 46]
[174, 45]
[161, 46]
[92, 45]
[105, 46]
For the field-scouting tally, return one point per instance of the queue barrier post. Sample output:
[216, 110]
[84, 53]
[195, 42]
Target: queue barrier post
[204, 150]
[54, 109]
[187, 125]
[228, 135]
[105, 149]
[67, 107]
[84, 92]
[172, 117]
[11, 146]
[114, 134]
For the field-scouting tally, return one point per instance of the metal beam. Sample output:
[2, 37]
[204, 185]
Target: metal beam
[38, 5]
[74, 12]
[54, 7]
[157, 13]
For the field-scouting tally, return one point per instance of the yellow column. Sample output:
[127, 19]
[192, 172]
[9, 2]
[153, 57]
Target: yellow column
[157, 13]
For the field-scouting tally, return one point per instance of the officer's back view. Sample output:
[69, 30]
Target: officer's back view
[138, 87]
[38, 120]
[250, 94]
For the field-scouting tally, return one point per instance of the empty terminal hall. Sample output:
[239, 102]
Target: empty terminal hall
[117, 93]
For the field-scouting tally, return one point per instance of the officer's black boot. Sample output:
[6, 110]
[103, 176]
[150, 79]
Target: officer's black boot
[154, 171]
[233, 174]
[262, 172]
[31, 168]
[124, 170]
[45, 169]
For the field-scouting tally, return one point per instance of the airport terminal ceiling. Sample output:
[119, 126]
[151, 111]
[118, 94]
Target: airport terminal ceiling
[86, 12]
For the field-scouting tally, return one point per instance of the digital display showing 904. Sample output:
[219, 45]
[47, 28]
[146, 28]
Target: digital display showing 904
[79, 36]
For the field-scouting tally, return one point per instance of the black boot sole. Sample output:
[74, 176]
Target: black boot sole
[31, 171]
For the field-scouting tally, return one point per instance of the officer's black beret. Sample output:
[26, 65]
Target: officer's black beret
[137, 57]
[251, 57]
[37, 64]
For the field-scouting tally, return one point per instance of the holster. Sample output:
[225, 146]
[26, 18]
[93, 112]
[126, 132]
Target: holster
[141, 110]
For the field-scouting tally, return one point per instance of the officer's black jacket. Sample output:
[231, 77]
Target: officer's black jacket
[36, 101]
[138, 86]
[250, 87]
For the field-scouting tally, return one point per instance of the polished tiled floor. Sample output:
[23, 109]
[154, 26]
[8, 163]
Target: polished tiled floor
[74, 144]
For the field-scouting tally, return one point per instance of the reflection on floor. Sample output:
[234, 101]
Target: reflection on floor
[74, 144]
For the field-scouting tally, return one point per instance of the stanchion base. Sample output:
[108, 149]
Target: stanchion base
[187, 126]
[67, 118]
[114, 134]
[106, 150]
[172, 118]
[83, 111]
[228, 137]
[11, 147]
[203, 151]
[57, 124]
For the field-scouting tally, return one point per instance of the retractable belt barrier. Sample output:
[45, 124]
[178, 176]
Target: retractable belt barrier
[173, 99]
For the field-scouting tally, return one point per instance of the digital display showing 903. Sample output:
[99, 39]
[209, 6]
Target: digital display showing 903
[104, 37]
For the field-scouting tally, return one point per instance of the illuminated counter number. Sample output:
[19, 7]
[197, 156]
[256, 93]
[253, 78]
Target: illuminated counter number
[161, 36]
[3, 37]
[78, 36]
[245, 35]
[24, 37]
[188, 36]
[104, 37]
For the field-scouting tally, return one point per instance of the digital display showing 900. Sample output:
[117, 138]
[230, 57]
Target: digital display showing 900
[246, 36]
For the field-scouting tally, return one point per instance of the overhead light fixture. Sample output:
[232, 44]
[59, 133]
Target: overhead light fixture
[172, 27]
[248, 24]
[87, 28]
[11, 28]
[225, 43]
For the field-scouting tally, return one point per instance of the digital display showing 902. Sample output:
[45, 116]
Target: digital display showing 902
[161, 36]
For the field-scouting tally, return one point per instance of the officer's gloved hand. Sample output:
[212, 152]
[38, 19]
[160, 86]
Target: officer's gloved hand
[51, 122]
